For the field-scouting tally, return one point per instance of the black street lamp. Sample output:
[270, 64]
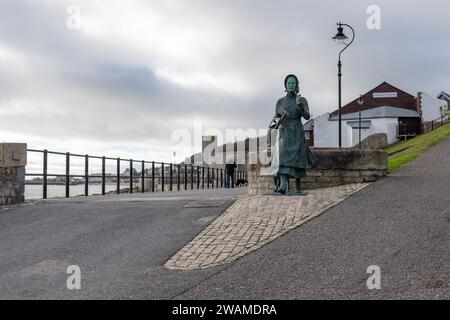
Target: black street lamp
[340, 37]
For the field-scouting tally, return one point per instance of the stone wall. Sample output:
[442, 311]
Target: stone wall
[12, 185]
[13, 158]
[335, 167]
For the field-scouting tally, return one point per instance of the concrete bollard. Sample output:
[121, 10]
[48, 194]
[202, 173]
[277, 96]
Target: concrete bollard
[13, 159]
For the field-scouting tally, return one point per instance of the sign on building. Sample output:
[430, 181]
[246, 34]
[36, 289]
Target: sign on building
[385, 94]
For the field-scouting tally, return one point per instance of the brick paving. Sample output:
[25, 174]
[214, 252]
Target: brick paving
[254, 221]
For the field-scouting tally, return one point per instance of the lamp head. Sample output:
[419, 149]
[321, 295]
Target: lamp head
[360, 100]
[340, 37]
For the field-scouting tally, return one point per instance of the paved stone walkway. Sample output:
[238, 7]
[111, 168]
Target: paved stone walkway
[252, 222]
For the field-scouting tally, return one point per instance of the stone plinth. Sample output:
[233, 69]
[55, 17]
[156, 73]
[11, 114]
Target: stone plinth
[13, 159]
[335, 167]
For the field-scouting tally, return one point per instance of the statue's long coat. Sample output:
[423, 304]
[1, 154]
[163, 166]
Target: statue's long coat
[291, 155]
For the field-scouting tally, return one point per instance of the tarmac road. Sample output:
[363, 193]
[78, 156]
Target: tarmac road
[119, 243]
[400, 223]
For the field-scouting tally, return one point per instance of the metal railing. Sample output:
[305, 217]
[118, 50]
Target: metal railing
[166, 176]
[434, 124]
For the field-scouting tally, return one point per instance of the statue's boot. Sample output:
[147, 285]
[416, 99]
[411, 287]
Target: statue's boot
[276, 181]
[283, 183]
[298, 187]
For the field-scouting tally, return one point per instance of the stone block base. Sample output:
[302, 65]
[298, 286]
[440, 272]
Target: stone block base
[315, 179]
[12, 185]
[335, 167]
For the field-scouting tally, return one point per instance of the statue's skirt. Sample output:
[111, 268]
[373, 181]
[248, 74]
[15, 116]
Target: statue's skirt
[290, 154]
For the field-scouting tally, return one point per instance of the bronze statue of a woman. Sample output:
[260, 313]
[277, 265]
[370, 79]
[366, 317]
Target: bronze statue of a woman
[290, 153]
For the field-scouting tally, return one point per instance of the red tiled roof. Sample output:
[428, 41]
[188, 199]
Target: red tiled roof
[403, 100]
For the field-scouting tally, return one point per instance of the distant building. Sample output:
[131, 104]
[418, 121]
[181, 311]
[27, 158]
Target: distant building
[445, 97]
[241, 152]
[308, 127]
[385, 109]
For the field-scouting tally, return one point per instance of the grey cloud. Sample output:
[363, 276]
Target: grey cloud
[103, 90]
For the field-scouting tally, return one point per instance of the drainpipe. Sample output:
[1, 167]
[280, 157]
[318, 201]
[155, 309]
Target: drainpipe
[419, 110]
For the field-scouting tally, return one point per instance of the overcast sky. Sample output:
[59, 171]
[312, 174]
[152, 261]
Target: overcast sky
[135, 71]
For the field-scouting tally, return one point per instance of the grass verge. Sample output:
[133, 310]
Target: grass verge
[403, 152]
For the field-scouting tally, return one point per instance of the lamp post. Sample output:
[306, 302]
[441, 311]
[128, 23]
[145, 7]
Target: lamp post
[340, 37]
[360, 102]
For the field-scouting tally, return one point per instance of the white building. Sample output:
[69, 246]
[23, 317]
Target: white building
[385, 109]
[431, 107]
[376, 120]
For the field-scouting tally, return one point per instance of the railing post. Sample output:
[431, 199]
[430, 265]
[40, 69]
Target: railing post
[198, 177]
[207, 179]
[162, 176]
[192, 177]
[143, 176]
[86, 175]
[185, 177]
[153, 176]
[170, 177]
[67, 174]
[221, 178]
[178, 177]
[203, 177]
[44, 175]
[131, 175]
[212, 178]
[118, 175]
[103, 176]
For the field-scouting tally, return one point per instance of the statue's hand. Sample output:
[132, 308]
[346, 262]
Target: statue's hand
[303, 105]
[301, 101]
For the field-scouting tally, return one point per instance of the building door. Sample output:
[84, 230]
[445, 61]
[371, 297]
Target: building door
[408, 126]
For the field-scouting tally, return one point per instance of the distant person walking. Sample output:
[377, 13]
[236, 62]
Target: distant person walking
[229, 174]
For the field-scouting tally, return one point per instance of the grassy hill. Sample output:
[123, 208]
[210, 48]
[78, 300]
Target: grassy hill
[404, 151]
